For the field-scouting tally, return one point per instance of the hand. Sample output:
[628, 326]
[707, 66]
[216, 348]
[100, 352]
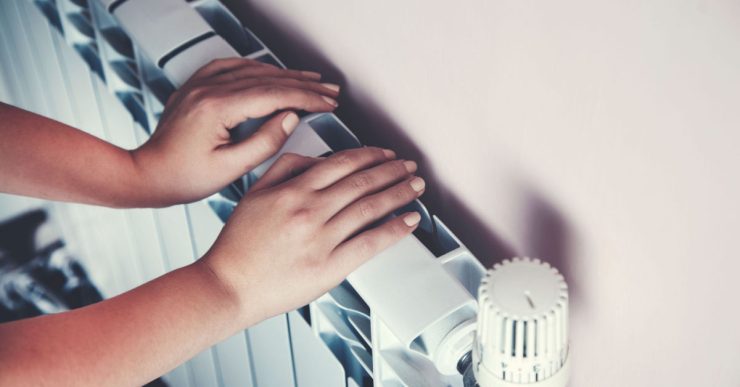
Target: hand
[292, 239]
[190, 155]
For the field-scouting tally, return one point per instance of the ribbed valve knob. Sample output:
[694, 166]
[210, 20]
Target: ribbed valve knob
[522, 328]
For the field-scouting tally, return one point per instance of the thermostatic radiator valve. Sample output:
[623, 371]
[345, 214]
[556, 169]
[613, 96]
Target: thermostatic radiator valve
[522, 329]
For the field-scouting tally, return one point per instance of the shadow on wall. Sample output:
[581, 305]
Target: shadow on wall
[547, 234]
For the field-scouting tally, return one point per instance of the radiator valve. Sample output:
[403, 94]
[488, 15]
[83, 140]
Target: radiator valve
[522, 329]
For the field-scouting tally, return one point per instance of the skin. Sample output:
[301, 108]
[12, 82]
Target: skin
[188, 157]
[305, 225]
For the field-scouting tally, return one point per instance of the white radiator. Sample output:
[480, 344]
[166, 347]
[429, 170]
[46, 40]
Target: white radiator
[386, 326]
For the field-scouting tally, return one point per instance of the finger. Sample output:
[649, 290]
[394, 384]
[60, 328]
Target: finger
[329, 89]
[370, 209]
[349, 255]
[285, 167]
[366, 182]
[343, 164]
[261, 145]
[243, 72]
[221, 65]
[263, 100]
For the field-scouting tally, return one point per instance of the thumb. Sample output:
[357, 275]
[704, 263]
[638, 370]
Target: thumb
[264, 143]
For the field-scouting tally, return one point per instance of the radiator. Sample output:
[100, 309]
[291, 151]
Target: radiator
[387, 325]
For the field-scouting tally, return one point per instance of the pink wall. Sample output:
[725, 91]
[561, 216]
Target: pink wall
[601, 136]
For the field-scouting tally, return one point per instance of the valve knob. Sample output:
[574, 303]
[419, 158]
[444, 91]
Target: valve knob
[522, 327]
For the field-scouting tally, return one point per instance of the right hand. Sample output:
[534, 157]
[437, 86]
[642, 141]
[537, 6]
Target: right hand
[303, 227]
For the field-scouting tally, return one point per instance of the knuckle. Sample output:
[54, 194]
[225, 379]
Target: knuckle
[375, 152]
[361, 181]
[367, 152]
[303, 217]
[263, 91]
[288, 158]
[368, 209]
[271, 142]
[398, 168]
[263, 64]
[288, 196]
[367, 245]
[397, 228]
[214, 63]
[196, 91]
[291, 82]
[272, 90]
[199, 96]
[343, 158]
[283, 159]
[207, 104]
[251, 61]
[314, 263]
[404, 193]
[234, 75]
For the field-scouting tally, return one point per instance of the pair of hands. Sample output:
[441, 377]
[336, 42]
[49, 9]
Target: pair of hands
[303, 226]
[301, 229]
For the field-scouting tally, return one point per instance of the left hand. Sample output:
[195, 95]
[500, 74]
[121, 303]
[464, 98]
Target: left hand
[190, 155]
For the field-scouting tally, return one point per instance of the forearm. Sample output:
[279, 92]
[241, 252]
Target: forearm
[191, 154]
[44, 158]
[127, 340]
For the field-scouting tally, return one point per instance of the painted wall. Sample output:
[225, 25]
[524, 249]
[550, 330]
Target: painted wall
[601, 136]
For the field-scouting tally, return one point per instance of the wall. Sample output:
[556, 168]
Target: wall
[598, 135]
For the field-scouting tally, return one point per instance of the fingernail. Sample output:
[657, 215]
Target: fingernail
[410, 166]
[412, 219]
[290, 122]
[311, 74]
[331, 86]
[389, 153]
[330, 101]
[418, 184]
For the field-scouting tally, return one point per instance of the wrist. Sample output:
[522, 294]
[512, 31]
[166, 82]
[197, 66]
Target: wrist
[230, 290]
[117, 180]
[150, 190]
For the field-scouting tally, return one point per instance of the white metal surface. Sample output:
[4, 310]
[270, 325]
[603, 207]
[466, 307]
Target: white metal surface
[181, 67]
[396, 286]
[159, 27]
